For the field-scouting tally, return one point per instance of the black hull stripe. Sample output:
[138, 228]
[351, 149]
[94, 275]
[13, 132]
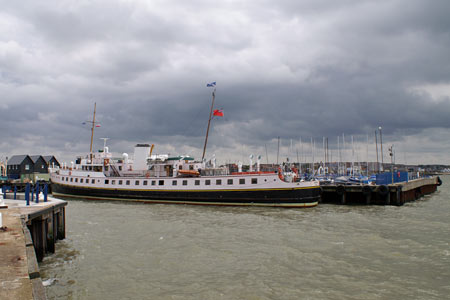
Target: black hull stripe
[287, 197]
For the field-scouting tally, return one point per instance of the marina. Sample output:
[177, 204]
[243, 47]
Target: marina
[241, 150]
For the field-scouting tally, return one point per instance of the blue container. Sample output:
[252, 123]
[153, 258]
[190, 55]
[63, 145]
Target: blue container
[386, 178]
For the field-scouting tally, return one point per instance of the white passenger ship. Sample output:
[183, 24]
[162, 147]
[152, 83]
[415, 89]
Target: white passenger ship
[180, 180]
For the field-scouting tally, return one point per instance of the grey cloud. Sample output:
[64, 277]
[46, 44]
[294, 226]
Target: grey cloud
[287, 68]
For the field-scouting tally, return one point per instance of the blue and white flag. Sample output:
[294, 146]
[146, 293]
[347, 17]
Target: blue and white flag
[212, 84]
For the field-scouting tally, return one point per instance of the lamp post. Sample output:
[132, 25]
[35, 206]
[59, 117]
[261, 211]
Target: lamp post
[381, 144]
[391, 150]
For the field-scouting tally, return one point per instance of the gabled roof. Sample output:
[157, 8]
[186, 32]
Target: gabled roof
[35, 158]
[17, 159]
[48, 158]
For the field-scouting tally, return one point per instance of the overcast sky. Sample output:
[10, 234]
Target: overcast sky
[289, 68]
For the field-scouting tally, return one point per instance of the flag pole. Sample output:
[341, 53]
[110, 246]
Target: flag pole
[209, 122]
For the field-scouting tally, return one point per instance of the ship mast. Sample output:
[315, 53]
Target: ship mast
[209, 122]
[92, 129]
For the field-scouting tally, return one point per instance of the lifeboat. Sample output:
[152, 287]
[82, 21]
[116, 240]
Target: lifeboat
[188, 173]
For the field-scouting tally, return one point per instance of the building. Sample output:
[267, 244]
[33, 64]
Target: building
[39, 164]
[19, 165]
[34, 168]
[51, 161]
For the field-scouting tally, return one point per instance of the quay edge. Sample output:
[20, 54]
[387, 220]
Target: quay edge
[29, 233]
[392, 194]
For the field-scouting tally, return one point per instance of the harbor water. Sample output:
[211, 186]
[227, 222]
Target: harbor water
[117, 250]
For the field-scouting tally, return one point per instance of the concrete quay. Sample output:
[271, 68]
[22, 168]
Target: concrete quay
[27, 233]
[391, 194]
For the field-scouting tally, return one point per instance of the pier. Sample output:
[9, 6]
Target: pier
[391, 194]
[27, 234]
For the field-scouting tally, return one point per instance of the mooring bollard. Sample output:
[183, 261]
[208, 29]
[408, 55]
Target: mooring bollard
[27, 193]
[37, 192]
[45, 192]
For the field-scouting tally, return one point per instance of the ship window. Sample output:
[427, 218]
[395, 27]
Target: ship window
[207, 182]
[67, 178]
[90, 168]
[120, 168]
[218, 182]
[76, 179]
[184, 182]
[120, 182]
[93, 181]
[137, 182]
[113, 182]
[180, 168]
[153, 182]
[71, 179]
[191, 167]
[242, 181]
[254, 180]
[106, 181]
[174, 182]
[62, 178]
[230, 181]
[81, 180]
[197, 182]
[127, 182]
[161, 182]
[145, 182]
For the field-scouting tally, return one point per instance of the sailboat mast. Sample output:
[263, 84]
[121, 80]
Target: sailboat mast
[209, 122]
[92, 129]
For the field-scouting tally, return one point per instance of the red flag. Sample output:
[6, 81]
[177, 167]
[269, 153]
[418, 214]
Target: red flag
[218, 112]
[98, 125]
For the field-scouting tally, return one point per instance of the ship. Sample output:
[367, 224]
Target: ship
[177, 179]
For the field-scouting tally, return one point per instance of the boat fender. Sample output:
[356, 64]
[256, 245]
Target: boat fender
[383, 190]
[366, 190]
[340, 190]
[439, 181]
[399, 200]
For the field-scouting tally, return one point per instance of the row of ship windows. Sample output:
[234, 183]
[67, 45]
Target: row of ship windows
[160, 182]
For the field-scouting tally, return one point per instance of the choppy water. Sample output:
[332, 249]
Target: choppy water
[136, 251]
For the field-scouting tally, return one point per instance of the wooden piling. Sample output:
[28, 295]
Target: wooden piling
[38, 234]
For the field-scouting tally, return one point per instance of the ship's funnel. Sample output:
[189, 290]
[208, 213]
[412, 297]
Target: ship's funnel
[141, 152]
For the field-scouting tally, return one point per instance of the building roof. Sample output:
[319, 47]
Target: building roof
[35, 158]
[48, 158]
[17, 159]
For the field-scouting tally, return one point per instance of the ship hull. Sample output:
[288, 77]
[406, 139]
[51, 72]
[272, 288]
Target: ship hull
[283, 197]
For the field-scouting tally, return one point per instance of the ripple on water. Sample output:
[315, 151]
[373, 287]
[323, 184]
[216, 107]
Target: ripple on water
[134, 251]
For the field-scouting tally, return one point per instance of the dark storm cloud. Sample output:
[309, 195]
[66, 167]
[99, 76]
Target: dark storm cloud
[294, 69]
